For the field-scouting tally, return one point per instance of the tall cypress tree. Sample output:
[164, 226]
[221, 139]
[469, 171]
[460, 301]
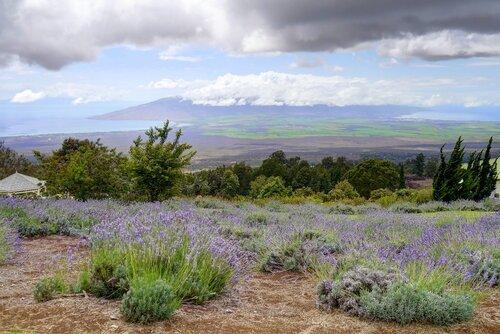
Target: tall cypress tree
[486, 176]
[438, 181]
[476, 182]
[471, 179]
[454, 173]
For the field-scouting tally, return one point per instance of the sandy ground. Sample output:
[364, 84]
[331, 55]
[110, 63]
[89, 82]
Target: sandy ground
[278, 303]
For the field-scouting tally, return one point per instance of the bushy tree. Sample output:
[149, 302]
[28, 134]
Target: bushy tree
[275, 165]
[83, 169]
[373, 174]
[244, 173]
[337, 168]
[11, 162]
[343, 190]
[272, 186]
[156, 164]
[230, 184]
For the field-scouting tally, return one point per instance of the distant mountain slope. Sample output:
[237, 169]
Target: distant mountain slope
[180, 110]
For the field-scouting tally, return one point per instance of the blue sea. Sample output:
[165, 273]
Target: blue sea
[60, 116]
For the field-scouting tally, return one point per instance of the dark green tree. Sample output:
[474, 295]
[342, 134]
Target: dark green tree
[373, 174]
[244, 173]
[402, 180]
[274, 165]
[230, 184]
[476, 181]
[486, 175]
[438, 180]
[156, 164]
[431, 167]
[11, 162]
[419, 164]
[453, 174]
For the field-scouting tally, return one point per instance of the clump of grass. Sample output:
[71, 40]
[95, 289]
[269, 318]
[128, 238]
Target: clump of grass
[149, 301]
[47, 288]
[171, 272]
[106, 275]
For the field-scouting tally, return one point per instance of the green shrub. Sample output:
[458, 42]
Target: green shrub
[48, 287]
[387, 201]
[266, 187]
[147, 302]
[405, 304]
[378, 193]
[421, 196]
[343, 190]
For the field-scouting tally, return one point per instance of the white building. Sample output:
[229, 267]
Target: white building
[18, 183]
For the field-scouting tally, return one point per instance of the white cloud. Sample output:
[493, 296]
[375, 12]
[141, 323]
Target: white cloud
[166, 83]
[308, 63]
[27, 96]
[274, 88]
[188, 59]
[442, 45]
[79, 93]
[336, 68]
[173, 52]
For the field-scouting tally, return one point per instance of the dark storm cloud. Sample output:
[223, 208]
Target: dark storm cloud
[56, 33]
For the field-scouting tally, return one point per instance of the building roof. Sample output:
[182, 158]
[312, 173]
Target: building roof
[18, 182]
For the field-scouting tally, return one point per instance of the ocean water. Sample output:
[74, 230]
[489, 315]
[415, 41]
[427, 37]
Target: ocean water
[58, 116]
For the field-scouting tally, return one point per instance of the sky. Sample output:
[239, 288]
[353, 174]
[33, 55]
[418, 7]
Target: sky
[263, 52]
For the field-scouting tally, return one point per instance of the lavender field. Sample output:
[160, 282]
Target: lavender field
[430, 263]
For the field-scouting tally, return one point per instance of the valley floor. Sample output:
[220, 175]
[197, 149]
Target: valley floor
[277, 303]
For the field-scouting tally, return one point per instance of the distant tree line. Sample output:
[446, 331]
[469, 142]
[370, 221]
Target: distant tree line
[279, 175]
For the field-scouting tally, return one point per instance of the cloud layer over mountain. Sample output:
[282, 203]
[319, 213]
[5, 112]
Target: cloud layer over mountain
[54, 33]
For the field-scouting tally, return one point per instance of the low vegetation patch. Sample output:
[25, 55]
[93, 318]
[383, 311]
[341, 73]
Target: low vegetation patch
[370, 259]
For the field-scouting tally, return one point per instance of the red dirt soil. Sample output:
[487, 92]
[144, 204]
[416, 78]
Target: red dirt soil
[278, 303]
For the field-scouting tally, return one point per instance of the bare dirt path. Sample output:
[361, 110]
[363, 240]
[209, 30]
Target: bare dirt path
[279, 303]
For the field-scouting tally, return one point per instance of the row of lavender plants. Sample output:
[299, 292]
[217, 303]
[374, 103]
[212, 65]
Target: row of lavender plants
[379, 263]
